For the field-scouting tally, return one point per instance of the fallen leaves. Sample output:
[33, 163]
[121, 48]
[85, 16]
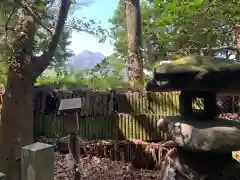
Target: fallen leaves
[94, 168]
[230, 116]
[95, 165]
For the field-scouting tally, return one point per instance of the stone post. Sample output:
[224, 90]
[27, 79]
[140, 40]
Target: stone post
[3, 176]
[37, 162]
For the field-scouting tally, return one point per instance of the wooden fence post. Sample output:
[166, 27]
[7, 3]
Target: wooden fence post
[37, 162]
[3, 176]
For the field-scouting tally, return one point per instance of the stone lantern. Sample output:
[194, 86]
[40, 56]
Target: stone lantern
[199, 77]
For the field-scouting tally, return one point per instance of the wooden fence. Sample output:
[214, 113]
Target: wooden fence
[115, 127]
[106, 103]
[113, 115]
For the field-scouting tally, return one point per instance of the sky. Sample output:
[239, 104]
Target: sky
[99, 10]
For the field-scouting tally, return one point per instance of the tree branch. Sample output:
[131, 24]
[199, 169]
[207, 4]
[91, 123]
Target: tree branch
[25, 6]
[42, 62]
[35, 16]
[9, 18]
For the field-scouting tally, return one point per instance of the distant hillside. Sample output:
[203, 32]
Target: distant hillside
[88, 59]
[85, 60]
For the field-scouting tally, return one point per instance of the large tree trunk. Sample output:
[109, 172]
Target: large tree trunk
[16, 124]
[16, 129]
[135, 64]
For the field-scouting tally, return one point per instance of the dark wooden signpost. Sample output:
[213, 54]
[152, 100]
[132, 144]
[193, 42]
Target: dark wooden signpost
[68, 107]
[71, 106]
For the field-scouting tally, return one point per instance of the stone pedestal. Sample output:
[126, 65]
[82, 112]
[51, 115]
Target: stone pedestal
[220, 135]
[37, 162]
[3, 176]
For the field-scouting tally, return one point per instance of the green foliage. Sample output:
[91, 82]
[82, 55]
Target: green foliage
[107, 74]
[67, 81]
[84, 24]
[3, 73]
[110, 65]
[62, 53]
[47, 10]
[71, 81]
[197, 24]
[118, 31]
[175, 28]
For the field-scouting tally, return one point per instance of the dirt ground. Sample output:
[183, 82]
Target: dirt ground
[95, 168]
[204, 166]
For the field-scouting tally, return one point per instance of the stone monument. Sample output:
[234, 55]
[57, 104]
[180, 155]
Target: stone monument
[37, 162]
[199, 77]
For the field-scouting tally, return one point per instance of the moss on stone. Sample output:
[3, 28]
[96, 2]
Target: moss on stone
[197, 64]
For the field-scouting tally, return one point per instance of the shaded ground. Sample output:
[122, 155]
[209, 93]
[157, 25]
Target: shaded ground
[95, 168]
[203, 165]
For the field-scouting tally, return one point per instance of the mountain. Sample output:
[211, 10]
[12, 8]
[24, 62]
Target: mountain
[85, 60]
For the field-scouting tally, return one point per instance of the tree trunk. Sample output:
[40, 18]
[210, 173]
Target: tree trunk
[16, 124]
[135, 64]
[16, 128]
[236, 39]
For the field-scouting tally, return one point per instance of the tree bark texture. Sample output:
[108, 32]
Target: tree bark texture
[16, 123]
[135, 63]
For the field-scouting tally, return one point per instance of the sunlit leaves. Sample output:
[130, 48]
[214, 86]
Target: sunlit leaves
[47, 11]
[176, 25]
[199, 22]
[90, 26]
